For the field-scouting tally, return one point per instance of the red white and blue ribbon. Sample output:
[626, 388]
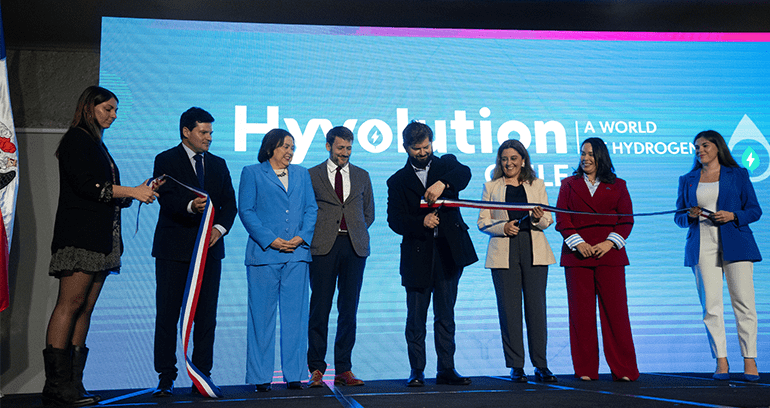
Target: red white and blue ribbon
[192, 289]
[498, 205]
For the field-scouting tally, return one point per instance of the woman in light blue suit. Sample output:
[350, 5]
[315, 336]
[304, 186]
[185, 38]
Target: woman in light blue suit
[721, 244]
[278, 208]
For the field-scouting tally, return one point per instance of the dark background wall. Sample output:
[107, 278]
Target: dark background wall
[53, 54]
[53, 45]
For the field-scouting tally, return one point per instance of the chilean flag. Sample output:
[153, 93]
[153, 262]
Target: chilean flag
[9, 171]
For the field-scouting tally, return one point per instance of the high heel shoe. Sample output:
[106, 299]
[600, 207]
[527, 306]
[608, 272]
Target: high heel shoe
[722, 376]
[750, 377]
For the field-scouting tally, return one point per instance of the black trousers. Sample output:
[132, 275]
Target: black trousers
[340, 269]
[522, 277]
[171, 278]
[446, 276]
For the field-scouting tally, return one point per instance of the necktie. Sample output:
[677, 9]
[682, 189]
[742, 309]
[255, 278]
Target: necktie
[199, 168]
[338, 190]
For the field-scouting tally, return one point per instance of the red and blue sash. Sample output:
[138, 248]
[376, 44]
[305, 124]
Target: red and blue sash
[192, 289]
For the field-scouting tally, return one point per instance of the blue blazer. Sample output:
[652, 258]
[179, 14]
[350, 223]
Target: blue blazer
[269, 211]
[736, 194]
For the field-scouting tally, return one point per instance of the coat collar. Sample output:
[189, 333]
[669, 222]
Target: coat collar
[723, 171]
[578, 185]
[189, 172]
[269, 173]
[411, 181]
[355, 183]
[498, 184]
[726, 179]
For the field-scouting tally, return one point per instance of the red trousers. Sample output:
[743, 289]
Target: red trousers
[608, 284]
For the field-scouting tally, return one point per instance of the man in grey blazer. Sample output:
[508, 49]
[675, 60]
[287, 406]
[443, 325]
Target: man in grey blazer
[339, 248]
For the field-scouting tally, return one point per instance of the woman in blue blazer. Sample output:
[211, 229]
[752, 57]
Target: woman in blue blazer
[721, 244]
[277, 206]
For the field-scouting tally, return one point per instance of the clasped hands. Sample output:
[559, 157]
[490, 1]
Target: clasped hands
[597, 251]
[283, 245]
[720, 217]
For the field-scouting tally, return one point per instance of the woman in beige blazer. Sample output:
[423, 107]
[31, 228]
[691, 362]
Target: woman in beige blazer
[519, 255]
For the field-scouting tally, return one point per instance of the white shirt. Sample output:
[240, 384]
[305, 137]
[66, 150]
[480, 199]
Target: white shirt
[190, 155]
[331, 169]
[422, 174]
[283, 177]
[707, 195]
[592, 187]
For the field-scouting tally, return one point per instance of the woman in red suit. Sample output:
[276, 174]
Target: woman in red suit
[594, 258]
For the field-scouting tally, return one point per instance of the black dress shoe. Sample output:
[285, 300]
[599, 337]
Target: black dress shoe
[294, 385]
[543, 374]
[264, 387]
[518, 375]
[416, 379]
[165, 388]
[451, 377]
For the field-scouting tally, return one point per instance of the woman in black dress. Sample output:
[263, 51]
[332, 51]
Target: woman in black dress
[86, 243]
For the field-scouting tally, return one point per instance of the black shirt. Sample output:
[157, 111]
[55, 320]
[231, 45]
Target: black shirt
[517, 195]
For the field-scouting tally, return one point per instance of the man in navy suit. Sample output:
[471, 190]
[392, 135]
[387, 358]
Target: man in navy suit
[180, 215]
[435, 248]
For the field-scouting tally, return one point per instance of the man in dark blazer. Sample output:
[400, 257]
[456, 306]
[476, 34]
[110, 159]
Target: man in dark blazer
[435, 248]
[339, 248]
[177, 229]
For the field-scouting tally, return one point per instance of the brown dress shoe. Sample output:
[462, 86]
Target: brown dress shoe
[347, 378]
[316, 380]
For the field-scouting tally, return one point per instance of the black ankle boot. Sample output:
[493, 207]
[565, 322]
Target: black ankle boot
[79, 357]
[58, 389]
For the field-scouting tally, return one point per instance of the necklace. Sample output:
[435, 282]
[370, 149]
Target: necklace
[281, 174]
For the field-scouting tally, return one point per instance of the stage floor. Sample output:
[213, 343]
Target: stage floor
[651, 390]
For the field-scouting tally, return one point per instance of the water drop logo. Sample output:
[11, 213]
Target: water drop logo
[750, 159]
[747, 130]
[375, 136]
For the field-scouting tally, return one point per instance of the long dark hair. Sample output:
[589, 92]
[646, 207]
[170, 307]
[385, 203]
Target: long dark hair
[270, 142]
[84, 112]
[605, 171]
[723, 152]
[526, 174]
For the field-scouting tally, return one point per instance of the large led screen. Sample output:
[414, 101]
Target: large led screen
[646, 94]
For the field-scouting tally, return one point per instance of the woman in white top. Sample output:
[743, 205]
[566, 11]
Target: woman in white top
[721, 244]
